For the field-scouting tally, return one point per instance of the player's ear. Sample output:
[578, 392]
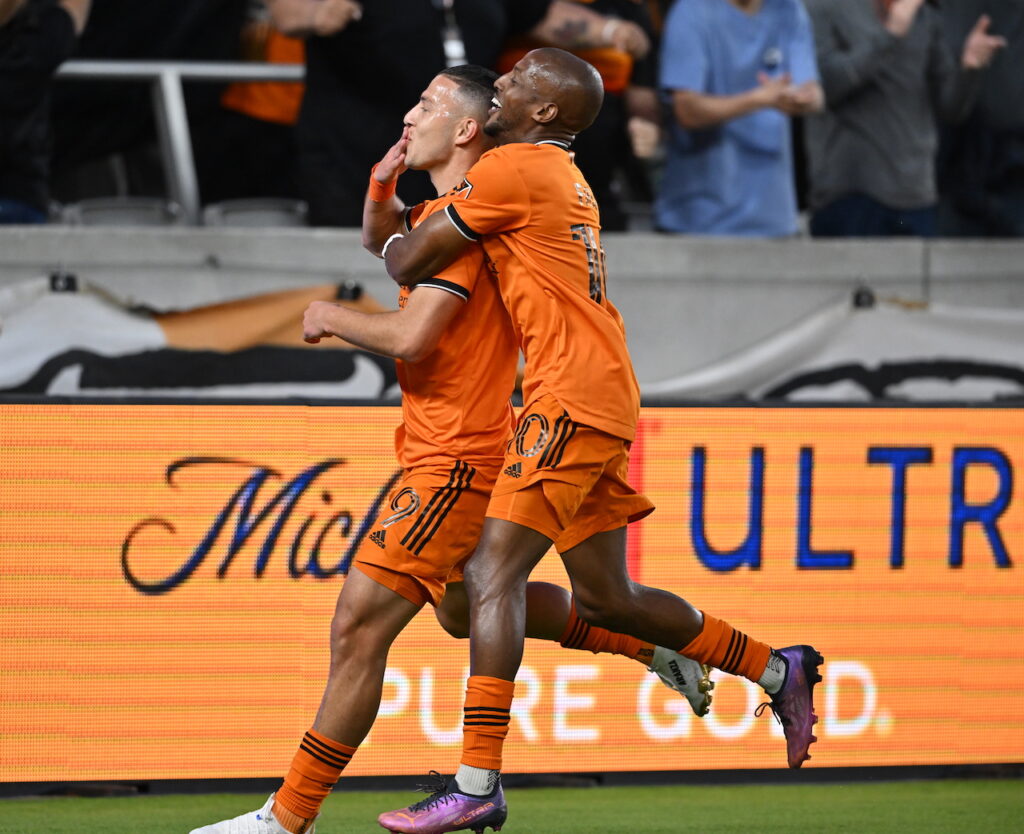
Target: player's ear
[467, 130]
[545, 113]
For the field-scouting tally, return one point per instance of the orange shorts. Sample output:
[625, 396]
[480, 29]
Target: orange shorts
[427, 531]
[565, 480]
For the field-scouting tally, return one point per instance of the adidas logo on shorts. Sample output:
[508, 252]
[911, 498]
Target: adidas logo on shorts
[377, 537]
[515, 470]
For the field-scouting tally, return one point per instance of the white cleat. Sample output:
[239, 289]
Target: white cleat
[685, 676]
[255, 822]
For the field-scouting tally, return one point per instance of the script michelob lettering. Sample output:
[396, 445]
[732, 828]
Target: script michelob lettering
[241, 508]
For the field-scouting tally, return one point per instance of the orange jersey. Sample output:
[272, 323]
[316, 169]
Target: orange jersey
[539, 224]
[455, 403]
[271, 101]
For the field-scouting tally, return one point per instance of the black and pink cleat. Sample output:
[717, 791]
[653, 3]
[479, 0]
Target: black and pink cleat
[446, 809]
[793, 704]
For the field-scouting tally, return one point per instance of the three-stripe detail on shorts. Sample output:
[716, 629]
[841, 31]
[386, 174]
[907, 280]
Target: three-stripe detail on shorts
[438, 507]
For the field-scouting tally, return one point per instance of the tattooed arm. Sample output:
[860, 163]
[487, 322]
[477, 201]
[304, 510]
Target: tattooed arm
[570, 26]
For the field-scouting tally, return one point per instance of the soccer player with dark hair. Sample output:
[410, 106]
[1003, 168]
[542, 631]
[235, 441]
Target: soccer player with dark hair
[457, 364]
[563, 480]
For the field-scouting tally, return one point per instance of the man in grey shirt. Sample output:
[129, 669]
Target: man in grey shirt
[888, 77]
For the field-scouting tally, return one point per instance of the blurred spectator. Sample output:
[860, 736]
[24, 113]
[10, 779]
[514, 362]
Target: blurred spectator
[658, 10]
[255, 126]
[736, 71]
[36, 36]
[365, 63]
[627, 129]
[981, 164]
[887, 75]
[95, 120]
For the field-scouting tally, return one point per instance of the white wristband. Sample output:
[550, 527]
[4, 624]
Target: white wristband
[610, 26]
[388, 242]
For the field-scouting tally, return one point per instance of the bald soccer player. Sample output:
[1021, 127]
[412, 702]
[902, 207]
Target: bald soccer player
[563, 479]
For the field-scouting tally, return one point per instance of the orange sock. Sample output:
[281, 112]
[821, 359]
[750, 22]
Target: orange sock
[316, 767]
[485, 721]
[725, 648]
[580, 635]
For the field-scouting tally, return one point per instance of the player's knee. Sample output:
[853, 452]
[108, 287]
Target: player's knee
[349, 634]
[603, 613]
[487, 586]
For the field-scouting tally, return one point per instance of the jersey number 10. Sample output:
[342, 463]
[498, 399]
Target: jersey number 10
[595, 259]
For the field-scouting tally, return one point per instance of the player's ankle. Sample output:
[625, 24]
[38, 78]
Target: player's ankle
[476, 781]
[774, 675]
[291, 821]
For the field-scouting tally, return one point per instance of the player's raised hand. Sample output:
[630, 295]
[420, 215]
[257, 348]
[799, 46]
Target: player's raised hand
[392, 165]
[981, 47]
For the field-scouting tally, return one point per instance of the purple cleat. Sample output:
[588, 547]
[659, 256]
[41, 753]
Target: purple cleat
[793, 704]
[448, 810]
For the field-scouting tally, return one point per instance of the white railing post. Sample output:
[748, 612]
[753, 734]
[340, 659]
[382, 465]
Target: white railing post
[169, 107]
[176, 144]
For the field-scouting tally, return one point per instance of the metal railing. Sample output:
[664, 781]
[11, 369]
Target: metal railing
[165, 78]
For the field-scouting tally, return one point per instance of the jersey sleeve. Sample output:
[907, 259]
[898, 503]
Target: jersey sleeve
[460, 276]
[413, 215]
[493, 199]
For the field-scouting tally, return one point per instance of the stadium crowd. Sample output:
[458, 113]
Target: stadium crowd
[721, 117]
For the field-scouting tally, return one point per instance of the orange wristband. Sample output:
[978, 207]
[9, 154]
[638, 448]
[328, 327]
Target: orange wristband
[381, 192]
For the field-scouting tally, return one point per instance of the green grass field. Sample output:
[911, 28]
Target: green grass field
[932, 807]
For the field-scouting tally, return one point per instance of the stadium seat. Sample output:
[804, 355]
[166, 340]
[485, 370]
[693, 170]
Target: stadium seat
[262, 211]
[123, 211]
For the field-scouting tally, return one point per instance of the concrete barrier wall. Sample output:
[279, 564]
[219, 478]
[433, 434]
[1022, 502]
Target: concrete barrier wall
[686, 301]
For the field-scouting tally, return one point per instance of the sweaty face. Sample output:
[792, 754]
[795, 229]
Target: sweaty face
[514, 96]
[432, 124]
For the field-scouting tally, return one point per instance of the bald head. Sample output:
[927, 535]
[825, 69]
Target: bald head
[570, 82]
[548, 94]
